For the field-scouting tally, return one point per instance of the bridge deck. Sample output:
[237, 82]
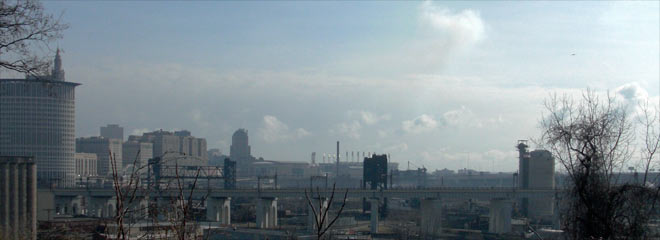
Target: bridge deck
[457, 193]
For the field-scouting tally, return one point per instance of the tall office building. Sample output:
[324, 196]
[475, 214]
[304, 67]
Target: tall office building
[240, 148]
[18, 198]
[176, 147]
[137, 153]
[536, 171]
[104, 148]
[113, 131]
[239, 151]
[37, 118]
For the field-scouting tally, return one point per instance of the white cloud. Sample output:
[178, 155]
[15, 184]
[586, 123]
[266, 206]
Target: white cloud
[632, 92]
[459, 29]
[274, 130]
[420, 124]
[459, 117]
[140, 131]
[370, 118]
[400, 147]
[350, 129]
[635, 98]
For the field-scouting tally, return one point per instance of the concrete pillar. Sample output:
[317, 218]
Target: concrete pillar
[22, 196]
[143, 207]
[96, 206]
[311, 222]
[431, 217]
[267, 212]
[32, 199]
[76, 206]
[111, 205]
[218, 210]
[13, 200]
[500, 216]
[374, 214]
[4, 199]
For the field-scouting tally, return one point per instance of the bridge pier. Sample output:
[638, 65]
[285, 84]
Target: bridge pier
[101, 207]
[77, 206]
[311, 222]
[499, 220]
[266, 212]
[374, 214]
[218, 210]
[431, 216]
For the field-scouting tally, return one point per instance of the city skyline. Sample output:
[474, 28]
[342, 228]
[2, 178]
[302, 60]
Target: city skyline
[308, 79]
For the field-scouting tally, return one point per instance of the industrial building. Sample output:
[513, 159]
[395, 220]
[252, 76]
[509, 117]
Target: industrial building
[536, 171]
[18, 199]
[37, 118]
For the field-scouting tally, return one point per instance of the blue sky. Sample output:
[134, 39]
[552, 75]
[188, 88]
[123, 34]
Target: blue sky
[428, 82]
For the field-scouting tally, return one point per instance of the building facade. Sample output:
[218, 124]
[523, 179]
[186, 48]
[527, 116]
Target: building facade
[239, 151]
[113, 131]
[86, 165]
[177, 147]
[18, 198]
[137, 153]
[536, 170]
[37, 118]
[106, 149]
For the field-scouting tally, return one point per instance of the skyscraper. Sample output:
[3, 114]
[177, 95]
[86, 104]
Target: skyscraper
[37, 118]
[137, 153]
[177, 147]
[113, 131]
[104, 148]
[536, 171]
[240, 149]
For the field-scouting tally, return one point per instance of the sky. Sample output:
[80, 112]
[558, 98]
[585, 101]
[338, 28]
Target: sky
[437, 84]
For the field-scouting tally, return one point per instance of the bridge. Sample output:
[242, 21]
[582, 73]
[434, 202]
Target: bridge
[446, 193]
[100, 202]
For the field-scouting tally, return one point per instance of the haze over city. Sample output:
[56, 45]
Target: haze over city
[433, 83]
[329, 120]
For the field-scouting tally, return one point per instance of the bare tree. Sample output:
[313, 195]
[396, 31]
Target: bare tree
[24, 28]
[128, 187]
[593, 138]
[321, 211]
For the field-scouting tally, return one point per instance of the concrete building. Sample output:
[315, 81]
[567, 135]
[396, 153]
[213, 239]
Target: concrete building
[137, 152]
[37, 118]
[103, 148]
[537, 171]
[86, 164]
[18, 199]
[176, 147]
[240, 148]
[113, 131]
[240, 151]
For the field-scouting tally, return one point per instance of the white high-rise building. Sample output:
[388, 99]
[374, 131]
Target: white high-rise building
[37, 119]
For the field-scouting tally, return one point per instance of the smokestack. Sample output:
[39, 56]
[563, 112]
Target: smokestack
[338, 159]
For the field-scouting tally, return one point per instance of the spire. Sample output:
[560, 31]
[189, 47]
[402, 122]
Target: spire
[58, 73]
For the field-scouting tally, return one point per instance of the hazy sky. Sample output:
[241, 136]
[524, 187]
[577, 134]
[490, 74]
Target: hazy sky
[433, 83]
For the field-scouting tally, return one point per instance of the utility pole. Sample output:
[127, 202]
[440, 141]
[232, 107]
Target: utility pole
[337, 176]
